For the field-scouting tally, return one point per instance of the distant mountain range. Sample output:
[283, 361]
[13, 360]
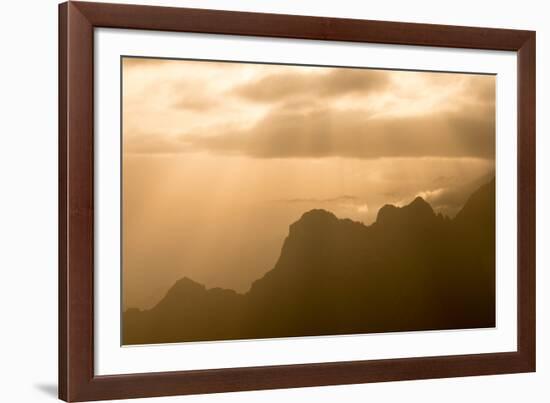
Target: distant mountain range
[410, 270]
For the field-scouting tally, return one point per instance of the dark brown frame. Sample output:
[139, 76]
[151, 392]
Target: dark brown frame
[77, 381]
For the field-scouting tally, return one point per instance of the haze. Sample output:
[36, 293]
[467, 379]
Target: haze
[220, 158]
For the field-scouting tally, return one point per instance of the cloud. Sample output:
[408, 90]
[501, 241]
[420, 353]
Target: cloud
[453, 193]
[265, 111]
[140, 62]
[195, 103]
[284, 86]
[343, 198]
[349, 133]
[480, 89]
[154, 143]
[344, 205]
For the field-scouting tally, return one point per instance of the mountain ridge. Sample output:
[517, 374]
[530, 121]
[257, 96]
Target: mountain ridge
[338, 276]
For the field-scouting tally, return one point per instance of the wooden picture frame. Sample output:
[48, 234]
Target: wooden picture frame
[77, 380]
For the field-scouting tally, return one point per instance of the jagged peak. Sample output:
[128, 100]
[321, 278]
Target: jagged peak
[418, 200]
[417, 209]
[185, 284]
[315, 214]
[419, 204]
[318, 219]
[474, 208]
[182, 289]
[186, 281]
[314, 218]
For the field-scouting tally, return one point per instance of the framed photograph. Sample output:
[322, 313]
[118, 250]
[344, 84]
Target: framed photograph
[256, 201]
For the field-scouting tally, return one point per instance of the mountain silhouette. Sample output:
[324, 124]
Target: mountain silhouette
[410, 270]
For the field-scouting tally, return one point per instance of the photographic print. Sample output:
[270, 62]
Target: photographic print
[267, 200]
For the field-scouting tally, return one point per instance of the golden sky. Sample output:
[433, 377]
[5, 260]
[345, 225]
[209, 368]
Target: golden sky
[220, 158]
